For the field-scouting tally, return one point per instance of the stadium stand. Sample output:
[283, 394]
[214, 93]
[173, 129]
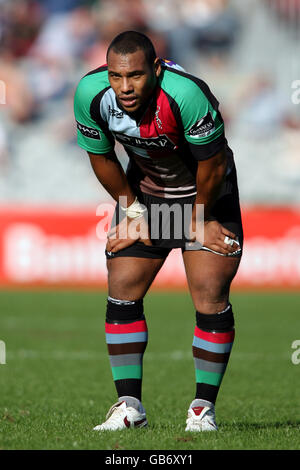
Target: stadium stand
[247, 51]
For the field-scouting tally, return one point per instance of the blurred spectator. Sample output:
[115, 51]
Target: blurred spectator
[262, 111]
[3, 149]
[114, 17]
[286, 10]
[21, 21]
[206, 27]
[62, 6]
[19, 97]
[52, 60]
[162, 16]
[65, 35]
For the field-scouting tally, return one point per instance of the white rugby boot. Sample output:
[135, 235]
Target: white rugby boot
[122, 416]
[201, 418]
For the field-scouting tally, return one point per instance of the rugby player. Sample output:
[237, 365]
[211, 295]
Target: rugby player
[171, 128]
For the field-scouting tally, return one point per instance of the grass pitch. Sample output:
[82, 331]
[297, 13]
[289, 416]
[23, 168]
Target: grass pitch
[57, 384]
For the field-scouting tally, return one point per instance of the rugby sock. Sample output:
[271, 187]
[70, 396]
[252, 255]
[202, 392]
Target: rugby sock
[126, 338]
[213, 339]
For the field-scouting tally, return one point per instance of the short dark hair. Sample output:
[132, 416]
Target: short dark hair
[132, 41]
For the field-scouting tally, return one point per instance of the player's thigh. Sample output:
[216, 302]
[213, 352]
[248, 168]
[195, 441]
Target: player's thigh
[129, 278]
[209, 279]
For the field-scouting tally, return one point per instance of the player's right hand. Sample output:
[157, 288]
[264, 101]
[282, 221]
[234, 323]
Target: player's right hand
[128, 232]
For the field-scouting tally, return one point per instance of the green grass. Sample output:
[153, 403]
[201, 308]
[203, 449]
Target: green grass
[57, 384]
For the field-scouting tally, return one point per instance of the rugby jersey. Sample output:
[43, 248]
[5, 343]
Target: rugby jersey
[180, 125]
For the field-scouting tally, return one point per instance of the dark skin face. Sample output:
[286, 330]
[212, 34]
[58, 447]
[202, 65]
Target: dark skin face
[132, 78]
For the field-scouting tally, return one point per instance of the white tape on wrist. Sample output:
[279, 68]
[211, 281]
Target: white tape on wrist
[135, 210]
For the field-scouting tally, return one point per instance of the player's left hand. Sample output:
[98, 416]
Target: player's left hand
[214, 236]
[126, 233]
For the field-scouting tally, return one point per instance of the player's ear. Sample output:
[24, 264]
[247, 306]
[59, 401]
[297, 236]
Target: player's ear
[157, 66]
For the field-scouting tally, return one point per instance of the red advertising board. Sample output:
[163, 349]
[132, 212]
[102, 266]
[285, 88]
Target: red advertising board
[65, 246]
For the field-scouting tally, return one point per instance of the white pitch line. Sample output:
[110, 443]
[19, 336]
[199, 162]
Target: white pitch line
[82, 355]
[88, 355]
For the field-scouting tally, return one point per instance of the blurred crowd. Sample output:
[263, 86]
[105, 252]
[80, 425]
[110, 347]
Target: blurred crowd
[46, 46]
[45, 43]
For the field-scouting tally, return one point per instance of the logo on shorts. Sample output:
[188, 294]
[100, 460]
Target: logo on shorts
[88, 131]
[203, 127]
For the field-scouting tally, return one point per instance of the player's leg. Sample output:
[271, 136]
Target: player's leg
[129, 278]
[209, 278]
[126, 327]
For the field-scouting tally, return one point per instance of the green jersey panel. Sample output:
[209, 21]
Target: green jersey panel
[201, 120]
[90, 136]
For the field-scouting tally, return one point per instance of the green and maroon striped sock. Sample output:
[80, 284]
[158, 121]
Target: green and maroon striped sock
[213, 340]
[126, 340]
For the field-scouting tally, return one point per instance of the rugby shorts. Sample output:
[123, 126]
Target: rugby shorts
[167, 230]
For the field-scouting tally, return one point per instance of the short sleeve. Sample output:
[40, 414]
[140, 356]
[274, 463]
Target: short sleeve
[202, 122]
[91, 136]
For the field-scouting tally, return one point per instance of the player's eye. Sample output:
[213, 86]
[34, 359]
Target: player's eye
[136, 75]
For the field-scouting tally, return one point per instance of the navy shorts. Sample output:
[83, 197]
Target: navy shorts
[167, 233]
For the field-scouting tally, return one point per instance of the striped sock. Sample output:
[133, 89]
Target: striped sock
[213, 340]
[126, 342]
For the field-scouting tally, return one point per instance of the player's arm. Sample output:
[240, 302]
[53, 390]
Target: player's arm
[204, 133]
[111, 175]
[209, 179]
[94, 136]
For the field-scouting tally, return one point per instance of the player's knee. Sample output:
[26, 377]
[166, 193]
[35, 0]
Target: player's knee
[210, 296]
[124, 285]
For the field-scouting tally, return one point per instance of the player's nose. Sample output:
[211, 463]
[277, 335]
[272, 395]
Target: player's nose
[126, 85]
